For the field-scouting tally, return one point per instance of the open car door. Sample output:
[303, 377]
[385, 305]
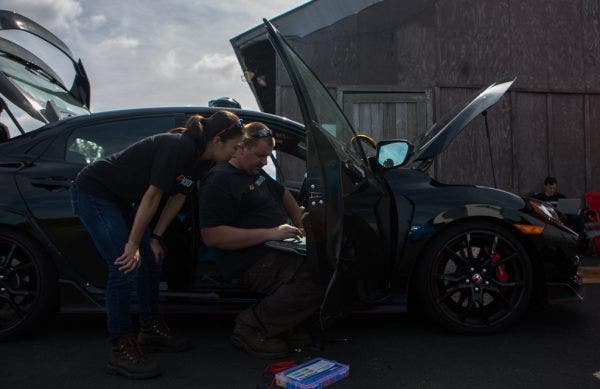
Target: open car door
[342, 190]
[31, 84]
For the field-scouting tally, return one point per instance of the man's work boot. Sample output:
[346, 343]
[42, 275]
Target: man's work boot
[156, 337]
[297, 338]
[256, 344]
[127, 359]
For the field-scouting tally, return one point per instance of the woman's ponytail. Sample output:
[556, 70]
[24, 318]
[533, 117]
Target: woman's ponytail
[224, 124]
[195, 129]
[195, 126]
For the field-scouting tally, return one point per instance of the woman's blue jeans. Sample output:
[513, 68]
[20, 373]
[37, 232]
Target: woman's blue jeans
[109, 225]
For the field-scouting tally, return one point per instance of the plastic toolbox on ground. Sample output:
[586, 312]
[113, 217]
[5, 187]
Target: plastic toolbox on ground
[316, 373]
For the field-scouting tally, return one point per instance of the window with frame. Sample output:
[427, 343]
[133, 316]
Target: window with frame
[90, 143]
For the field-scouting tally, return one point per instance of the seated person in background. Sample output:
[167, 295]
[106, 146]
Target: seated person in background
[550, 193]
[242, 208]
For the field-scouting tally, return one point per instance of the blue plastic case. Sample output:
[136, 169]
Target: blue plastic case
[316, 373]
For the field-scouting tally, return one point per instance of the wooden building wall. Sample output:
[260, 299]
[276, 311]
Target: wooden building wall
[547, 124]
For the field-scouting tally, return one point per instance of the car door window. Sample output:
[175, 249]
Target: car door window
[288, 170]
[326, 114]
[89, 143]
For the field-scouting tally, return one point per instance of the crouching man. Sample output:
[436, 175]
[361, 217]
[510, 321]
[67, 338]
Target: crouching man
[242, 208]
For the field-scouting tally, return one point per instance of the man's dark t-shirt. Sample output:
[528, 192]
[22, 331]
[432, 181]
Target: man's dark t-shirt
[232, 197]
[167, 161]
[543, 197]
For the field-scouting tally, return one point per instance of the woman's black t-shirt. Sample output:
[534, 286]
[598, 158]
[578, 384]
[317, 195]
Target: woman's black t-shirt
[167, 161]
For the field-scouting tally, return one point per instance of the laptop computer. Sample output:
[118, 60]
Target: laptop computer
[569, 206]
[295, 245]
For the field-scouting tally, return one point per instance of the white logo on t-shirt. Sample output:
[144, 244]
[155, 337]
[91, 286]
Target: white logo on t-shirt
[183, 180]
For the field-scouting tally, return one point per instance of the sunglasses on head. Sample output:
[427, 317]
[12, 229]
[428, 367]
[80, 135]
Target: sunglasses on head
[262, 133]
[236, 124]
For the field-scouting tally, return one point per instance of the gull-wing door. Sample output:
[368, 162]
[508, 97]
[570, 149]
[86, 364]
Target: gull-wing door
[33, 86]
[340, 183]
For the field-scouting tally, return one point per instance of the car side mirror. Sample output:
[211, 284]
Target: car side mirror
[393, 153]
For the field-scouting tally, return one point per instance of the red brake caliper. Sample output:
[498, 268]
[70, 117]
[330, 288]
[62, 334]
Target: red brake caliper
[501, 274]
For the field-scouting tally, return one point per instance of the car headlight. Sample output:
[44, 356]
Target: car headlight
[544, 210]
[548, 214]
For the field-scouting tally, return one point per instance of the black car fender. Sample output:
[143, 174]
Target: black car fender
[24, 222]
[13, 218]
[422, 232]
[505, 217]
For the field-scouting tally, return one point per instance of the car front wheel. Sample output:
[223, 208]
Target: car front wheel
[475, 277]
[27, 284]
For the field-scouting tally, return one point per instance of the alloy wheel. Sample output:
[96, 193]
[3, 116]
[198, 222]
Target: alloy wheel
[19, 283]
[479, 278]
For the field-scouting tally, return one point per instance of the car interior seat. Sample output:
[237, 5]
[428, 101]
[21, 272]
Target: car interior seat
[4, 133]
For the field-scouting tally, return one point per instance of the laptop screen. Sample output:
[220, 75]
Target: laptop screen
[569, 206]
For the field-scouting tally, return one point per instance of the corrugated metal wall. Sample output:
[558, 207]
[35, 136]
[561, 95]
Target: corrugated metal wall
[548, 124]
[533, 135]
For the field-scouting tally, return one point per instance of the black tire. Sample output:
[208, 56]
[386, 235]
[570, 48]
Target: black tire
[480, 293]
[28, 285]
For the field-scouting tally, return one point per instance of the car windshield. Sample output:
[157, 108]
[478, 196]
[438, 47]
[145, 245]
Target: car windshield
[329, 117]
[39, 88]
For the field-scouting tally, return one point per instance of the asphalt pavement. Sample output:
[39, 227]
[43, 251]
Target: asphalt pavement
[552, 347]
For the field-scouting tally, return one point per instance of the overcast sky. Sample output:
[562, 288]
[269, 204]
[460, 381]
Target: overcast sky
[155, 52]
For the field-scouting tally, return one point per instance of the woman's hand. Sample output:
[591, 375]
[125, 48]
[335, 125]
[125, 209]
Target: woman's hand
[157, 249]
[130, 259]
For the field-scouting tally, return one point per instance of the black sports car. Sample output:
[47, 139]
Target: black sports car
[382, 234]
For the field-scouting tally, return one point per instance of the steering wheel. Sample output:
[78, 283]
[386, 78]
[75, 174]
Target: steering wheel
[365, 139]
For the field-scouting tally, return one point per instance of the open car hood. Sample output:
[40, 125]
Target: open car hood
[32, 85]
[443, 132]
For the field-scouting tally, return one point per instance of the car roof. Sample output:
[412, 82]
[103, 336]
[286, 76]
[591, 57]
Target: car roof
[205, 111]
